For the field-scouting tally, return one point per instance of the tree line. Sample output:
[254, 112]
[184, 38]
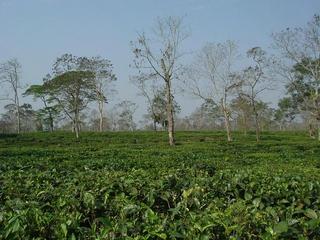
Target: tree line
[231, 94]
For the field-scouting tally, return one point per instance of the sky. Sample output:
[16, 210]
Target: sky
[36, 32]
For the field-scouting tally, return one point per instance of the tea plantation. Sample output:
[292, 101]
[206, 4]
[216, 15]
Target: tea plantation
[134, 186]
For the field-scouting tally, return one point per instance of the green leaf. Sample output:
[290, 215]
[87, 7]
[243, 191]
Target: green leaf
[64, 229]
[281, 227]
[256, 202]
[247, 196]
[161, 235]
[88, 199]
[311, 213]
[73, 237]
[313, 224]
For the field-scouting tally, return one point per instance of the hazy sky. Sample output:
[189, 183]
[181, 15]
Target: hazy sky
[38, 31]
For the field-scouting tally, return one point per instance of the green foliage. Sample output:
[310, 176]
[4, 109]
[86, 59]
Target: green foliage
[134, 186]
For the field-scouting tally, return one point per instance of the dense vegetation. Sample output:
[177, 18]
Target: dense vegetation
[134, 186]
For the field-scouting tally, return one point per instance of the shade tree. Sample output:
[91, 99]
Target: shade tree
[158, 55]
[10, 72]
[213, 77]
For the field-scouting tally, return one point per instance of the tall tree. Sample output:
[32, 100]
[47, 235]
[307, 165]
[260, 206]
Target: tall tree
[157, 109]
[266, 115]
[10, 74]
[29, 120]
[285, 113]
[149, 88]
[298, 64]
[255, 82]
[155, 96]
[243, 113]
[212, 77]
[72, 87]
[160, 59]
[104, 78]
[207, 116]
[73, 91]
[51, 110]
[124, 114]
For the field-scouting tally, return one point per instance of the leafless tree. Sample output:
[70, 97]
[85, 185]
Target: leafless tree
[159, 56]
[148, 88]
[10, 75]
[243, 113]
[212, 77]
[104, 78]
[255, 82]
[124, 118]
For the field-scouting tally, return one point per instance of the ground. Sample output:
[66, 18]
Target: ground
[134, 186]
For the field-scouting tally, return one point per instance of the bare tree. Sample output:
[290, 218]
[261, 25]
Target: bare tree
[255, 82]
[299, 49]
[159, 57]
[243, 113]
[124, 115]
[212, 77]
[104, 77]
[148, 88]
[10, 74]
[155, 95]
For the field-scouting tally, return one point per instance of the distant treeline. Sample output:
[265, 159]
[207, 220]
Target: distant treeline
[231, 96]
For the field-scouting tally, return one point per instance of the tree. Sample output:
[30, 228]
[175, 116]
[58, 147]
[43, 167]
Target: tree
[149, 89]
[160, 59]
[51, 110]
[10, 74]
[104, 77]
[73, 91]
[157, 109]
[72, 87]
[8, 119]
[95, 121]
[266, 115]
[207, 116]
[155, 95]
[255, 82]
[125, 111]
[299, 54]
[212, 77]
[243, 113]
[28, 117]
[285, 113]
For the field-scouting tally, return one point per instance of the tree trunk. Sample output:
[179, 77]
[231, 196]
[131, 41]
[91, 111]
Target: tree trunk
[51, 122]
[17, 105]
[244, 119]
[170, 113]
[18, 119]
[227, 123]
[101, 116]
[311, 130]
[51, 125]
[256, 120]
[76, 129]
[76, 123]
[155, 125]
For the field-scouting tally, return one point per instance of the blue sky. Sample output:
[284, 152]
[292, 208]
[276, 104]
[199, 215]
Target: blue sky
[38, 31]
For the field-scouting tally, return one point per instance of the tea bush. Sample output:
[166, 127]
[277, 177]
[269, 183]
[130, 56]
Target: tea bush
[134, 186]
